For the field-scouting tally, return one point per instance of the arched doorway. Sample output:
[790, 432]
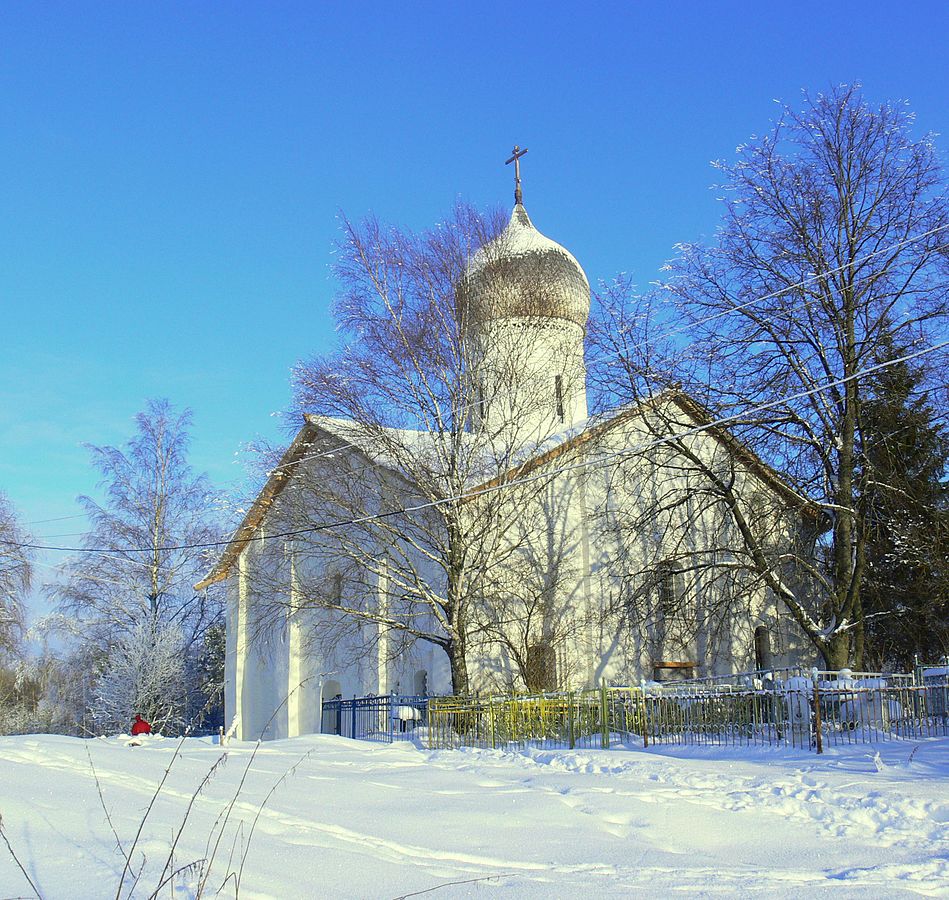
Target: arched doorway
[420, 683]
[331, 718]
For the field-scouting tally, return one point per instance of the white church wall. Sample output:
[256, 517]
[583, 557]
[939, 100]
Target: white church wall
[329, 650]
[690, 526]
[565, 551]
[540, 587]
[264, 677]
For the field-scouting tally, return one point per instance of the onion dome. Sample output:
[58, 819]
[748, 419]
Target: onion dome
[523, 274]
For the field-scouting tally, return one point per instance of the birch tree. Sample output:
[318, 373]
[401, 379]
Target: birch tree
[400, 411]
[147, 544]
[15, 576]
[833, 240]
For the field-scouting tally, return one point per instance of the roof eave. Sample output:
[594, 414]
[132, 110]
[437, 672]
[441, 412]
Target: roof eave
[278, 479]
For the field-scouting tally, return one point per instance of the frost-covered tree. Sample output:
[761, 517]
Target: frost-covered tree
[147, 545]
[15, 576]
[834, 235]
[33, 696]
[144, 674]
[148, 542]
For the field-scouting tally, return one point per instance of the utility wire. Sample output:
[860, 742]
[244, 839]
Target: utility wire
[817, 276]
[665, 332]
[669, 331]
[594, 462]
[57, 519]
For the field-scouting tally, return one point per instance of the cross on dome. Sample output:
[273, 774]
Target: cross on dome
[516, 159]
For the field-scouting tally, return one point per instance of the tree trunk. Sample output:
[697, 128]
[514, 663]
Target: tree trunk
[459, 668]
[836, 652]
[457, 608]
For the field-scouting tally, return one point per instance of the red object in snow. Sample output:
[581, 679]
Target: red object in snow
[140, 726]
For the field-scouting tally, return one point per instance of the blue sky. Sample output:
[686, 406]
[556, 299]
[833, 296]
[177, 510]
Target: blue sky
[171, 176]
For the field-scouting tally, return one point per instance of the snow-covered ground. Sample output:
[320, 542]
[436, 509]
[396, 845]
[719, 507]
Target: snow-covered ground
[350, 819]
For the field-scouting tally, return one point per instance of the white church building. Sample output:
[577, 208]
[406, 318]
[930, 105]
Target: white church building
[597, 554]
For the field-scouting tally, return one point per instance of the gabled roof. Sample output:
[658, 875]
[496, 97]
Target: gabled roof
[355, 437]
[575, 439]
[276, 482]
[345, 432]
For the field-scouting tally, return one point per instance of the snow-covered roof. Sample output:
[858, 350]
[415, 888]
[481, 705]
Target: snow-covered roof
[404, 450]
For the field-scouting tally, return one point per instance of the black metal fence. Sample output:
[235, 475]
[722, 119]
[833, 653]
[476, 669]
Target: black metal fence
[385, 718]
[798, 712]
[800, 716]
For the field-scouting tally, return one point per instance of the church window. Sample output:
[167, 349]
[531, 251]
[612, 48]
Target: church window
[763, 648]
[668, 581]
[334, 596]
[558, 389]
[674, 611]
[420, 683]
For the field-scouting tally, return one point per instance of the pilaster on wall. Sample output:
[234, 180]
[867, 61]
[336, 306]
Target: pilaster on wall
[382, 659]
[295, 689]
[590, 604]
[240, 655]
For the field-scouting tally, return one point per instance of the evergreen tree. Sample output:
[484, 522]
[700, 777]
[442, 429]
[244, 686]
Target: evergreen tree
[906, 516]
[208, 677]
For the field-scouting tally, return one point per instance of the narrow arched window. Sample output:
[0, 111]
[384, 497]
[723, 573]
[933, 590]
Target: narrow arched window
[668, 581]
[558, 391]
[334, 589]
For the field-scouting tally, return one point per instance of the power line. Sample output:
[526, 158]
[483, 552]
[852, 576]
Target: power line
[663, 332]
[670, 331]
[503, 485]
[57, 519]
[803, 283]
[59, 567]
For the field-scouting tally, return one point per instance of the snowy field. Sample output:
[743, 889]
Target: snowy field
[349, 819]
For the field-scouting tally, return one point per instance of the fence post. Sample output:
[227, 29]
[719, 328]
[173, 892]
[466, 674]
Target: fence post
[353, 734]
[392, 708]
[642, 698]
[570, 719]
[818, 737]
[604, 712]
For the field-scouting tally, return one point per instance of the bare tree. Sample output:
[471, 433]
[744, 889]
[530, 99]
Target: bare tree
[410, 440]
[147, 543]
[15, 576]
[833, 239]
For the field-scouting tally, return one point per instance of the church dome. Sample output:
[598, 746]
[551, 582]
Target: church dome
[521, 273]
